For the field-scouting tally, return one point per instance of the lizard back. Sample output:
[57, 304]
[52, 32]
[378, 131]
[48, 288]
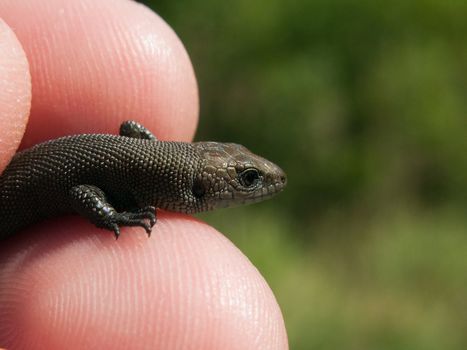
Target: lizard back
[36, 183]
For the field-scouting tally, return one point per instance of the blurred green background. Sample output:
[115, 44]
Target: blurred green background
[364, 104]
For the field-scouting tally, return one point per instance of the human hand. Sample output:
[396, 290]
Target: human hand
[67, 284]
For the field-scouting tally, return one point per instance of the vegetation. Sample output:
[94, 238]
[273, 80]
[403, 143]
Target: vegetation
[364, 105]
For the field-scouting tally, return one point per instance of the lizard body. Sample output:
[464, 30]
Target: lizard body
[119, 180]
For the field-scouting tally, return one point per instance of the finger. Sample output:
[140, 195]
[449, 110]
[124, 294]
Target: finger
[187, 287]
[96, 63]
[15, 93]
[67, 103]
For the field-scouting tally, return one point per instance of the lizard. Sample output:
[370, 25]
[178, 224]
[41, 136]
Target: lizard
[119, 180]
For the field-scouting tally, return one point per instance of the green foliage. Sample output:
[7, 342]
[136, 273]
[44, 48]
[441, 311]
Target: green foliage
[363, 103]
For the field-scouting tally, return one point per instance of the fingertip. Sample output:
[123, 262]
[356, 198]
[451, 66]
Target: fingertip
[97, 63]
[185, 287]
[15, 93]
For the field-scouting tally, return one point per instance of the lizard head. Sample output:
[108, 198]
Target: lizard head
[232, 175]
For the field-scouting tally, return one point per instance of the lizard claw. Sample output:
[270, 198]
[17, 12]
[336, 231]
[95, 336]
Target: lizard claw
[116, 230]
[146, 227]
[148, 213]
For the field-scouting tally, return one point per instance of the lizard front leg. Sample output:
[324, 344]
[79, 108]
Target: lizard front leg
[90, 202]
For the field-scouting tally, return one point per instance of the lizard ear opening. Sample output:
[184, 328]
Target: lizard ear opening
[198, 189]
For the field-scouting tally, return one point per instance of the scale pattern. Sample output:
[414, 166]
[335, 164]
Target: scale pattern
[119, 180]
[132, 172]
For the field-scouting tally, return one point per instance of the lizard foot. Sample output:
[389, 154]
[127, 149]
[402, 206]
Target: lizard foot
[144, 217]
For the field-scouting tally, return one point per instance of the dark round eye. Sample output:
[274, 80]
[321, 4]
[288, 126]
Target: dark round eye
[249, 177]
[198, 189]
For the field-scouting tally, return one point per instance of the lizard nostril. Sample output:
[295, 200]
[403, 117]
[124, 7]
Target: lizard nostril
[283, 179]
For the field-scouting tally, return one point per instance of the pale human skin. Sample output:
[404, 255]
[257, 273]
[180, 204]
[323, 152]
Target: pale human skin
[67, 284]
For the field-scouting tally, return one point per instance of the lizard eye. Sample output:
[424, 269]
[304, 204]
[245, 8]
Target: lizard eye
[249, 177]
[198, 189]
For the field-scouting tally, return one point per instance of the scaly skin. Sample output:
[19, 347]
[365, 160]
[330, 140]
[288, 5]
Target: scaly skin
[117, 181]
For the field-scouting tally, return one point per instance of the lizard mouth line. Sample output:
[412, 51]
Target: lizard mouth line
[256, 195]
